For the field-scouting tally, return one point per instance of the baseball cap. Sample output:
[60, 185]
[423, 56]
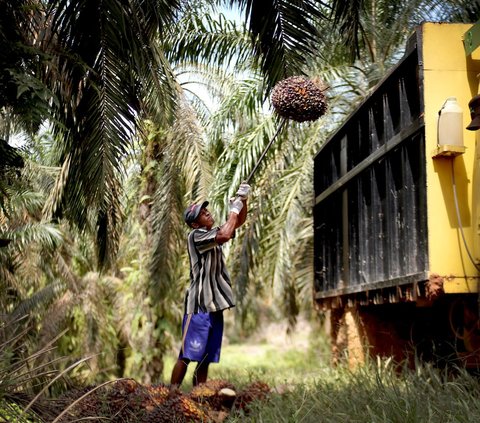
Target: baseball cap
[192, 211]
[474, 106]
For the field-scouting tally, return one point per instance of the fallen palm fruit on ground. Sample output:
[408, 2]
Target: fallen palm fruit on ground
[126, 400]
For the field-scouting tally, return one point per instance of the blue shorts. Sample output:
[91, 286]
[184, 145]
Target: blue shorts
[202, 337]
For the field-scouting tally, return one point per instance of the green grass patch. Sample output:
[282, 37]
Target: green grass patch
[374, 394]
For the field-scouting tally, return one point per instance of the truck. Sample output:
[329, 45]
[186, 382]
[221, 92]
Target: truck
[396, 210]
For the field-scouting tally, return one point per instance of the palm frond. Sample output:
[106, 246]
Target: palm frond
[47, 235]
[24, 99]
[39, 299]
[158, 87]
[207, 39]
[347, 16]
[58, 313]
[168, 237]
[109, 225]
[353, 20]
[184, 176]
[118, 64]
[9, 156]
[451, 10]
[284, 35]
[207, 86]
[241, 131]
[189, 150]
[230, 116]
[64, 269]
[276, 243]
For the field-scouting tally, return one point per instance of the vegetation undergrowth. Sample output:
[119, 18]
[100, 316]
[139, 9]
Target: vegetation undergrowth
[306, 388]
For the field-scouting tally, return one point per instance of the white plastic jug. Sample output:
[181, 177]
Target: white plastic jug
[450, 123]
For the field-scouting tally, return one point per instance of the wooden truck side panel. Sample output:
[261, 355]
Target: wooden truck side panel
[370, 192]
[392, 259]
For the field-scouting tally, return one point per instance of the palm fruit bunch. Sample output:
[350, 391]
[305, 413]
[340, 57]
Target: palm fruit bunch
[190, 409]
[256, 391]
[124, 386]
[216, 393]
[122, 399]
[153, 396]
[161, 414]
[179, 409]
[108, 400]
[88, 407]
[299, 99]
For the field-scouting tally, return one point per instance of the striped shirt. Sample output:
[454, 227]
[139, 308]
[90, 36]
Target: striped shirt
[210, 289]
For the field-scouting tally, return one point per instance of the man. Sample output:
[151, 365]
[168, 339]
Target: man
[210, 290]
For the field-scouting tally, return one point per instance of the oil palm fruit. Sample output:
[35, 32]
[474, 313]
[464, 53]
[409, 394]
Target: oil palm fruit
[216, 393]
[255, 391]
[299, 99]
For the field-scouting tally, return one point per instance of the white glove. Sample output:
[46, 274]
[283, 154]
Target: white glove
[235, 205]
[243, 190]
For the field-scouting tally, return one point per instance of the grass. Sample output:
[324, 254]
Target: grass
[375, 394]
[318, 393]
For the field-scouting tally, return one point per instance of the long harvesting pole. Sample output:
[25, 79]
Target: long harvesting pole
[282, 124]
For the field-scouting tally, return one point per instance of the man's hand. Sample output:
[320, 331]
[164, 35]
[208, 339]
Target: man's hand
[243, 190]
[235, 205]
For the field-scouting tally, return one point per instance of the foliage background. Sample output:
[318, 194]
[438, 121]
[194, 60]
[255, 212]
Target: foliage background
[165, 103]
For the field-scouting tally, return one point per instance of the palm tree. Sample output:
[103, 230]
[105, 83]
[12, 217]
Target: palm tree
[50, 288]
[102, 70]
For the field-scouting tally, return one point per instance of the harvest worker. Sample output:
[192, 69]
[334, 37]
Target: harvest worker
[210, 290]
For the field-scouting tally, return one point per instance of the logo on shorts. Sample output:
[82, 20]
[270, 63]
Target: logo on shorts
[195, 345]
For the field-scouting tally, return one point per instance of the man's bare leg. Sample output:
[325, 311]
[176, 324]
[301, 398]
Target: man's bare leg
[179, 371]
[201, 372]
